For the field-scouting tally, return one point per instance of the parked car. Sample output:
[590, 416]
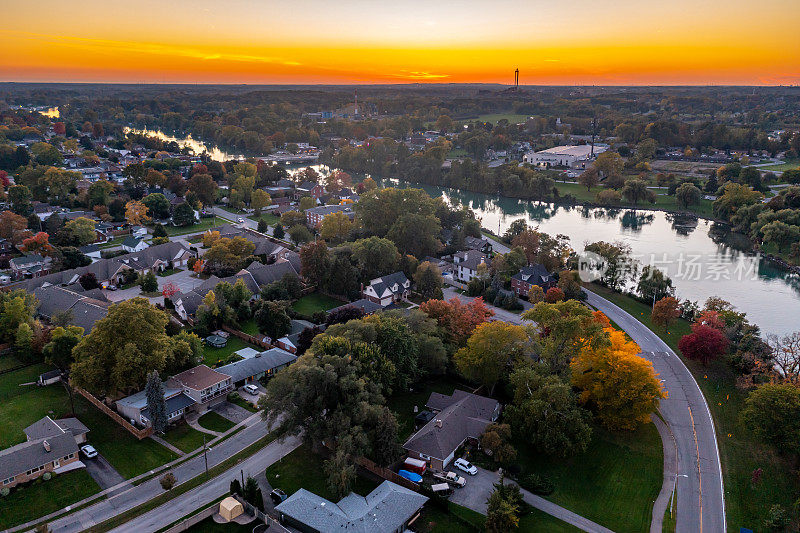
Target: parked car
[252, 389]
[241, 220]
[466, 466]
[411, 476]
[451, 477]
[112, 287]
[277, 496]
[88, 451]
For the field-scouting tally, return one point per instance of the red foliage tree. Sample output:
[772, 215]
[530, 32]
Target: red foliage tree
[59, 128]
[200, 168]
[4, 179]
[458, 319]
[704, 343]
[38, 244]
[169, 290]
[554, 295]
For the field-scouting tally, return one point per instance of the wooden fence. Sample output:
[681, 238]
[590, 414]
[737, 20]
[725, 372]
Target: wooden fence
[385, 473]
[247, 338]
[136, 432]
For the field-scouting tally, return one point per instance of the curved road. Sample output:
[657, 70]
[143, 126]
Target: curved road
[701, 502]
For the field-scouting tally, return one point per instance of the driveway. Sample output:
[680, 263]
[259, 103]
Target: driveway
[102, 472]
[183, 280]
[232, 412]
[474, 494]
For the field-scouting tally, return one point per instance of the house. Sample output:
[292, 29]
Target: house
[291, 340]
[29, 266]
[309, 188]
[387, 289]
[475, 243]
[465, 264]
[262, 364]
[43, 210]
[84, 309]
[564, 156]
[316, 215]
[134, 407]
[264, 246]
[389, 508]
[49, 428]
[203, 385]
[29, 460]
[134, 244]
[460, 417]
[92, 251]
[527, 277]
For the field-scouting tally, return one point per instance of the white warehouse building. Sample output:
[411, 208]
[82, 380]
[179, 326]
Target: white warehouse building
[564, 156]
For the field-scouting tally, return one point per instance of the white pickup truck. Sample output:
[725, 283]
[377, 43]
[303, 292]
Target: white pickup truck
[451, 477]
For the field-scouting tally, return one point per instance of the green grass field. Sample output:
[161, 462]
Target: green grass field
[613, 483]
[41, 497]
[787, 164]
[303, 469]
[663, 202]
[209, 526]
[269, 217]
[455, 519]
[184, 437]
[212, 356]
[215, 422]
[741, 453]
[311, 303]
[494, 118]
[203, 225]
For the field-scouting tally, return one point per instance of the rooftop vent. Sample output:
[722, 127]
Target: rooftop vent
[46, 446]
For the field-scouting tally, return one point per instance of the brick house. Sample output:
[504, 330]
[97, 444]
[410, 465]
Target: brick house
[527, 277]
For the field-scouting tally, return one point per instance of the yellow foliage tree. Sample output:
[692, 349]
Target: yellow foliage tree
[209, 238]
[335, 227]
[622, 387]
[136, 213]
[491, 351]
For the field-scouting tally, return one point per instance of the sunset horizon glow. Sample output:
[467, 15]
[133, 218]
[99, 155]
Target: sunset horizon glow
[576, 42]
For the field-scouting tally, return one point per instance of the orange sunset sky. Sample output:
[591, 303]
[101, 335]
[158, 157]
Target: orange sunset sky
[621, 42]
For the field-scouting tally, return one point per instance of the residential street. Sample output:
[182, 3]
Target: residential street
[206, 493]
[136, 495]
[699, 487]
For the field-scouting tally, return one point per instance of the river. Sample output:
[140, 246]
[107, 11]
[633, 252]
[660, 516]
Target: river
[702, 259]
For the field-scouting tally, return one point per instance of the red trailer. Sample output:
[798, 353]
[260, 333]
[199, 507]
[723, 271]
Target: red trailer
[415, 465]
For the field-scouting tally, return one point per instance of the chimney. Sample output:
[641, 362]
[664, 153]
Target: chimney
[46, 446]
[438, 423]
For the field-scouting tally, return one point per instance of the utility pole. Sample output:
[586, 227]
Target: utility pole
[205, 454]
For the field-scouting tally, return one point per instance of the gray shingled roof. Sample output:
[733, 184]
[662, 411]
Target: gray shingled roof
[174, 404]
[384, 283]
[534, 274]
[247, 368]
[384, 510]
[367, 306]
[47, 428]
[462, 415]
[32, 454]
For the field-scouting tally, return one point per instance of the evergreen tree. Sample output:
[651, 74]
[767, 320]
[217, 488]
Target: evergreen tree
[278, 232]
[149, 283]
[154, 391]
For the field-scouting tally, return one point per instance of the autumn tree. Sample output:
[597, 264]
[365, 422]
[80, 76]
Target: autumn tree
[259, 200]
[589, 178]
[13, 227]
[335, 227]
[136, 213]
[786, 355]
[204, 186]
[666, 311]
[536, 294]
[82, 229]
[428, 280]
[495, 441]
[622, 387]
[228, 256]
[554, 295]
[338, 180]
[705, 343]
[37, 244]
[490, 351]
[458, 319]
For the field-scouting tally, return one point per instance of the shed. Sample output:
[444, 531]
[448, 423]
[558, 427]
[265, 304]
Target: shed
[230, 508]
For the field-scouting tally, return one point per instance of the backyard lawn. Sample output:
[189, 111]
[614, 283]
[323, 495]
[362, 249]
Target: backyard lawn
[212, 356]
[215, 422]
[456, 519]
[41, 497]
[311, 303]
[184, 437]
[741, 453]
[512, 118]
[303, 469]
[269, 217]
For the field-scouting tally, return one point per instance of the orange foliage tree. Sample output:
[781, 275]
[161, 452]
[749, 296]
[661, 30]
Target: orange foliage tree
[458, 319]
[620, 386]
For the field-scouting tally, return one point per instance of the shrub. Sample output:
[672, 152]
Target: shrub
[233, 396]
[537, 484]
[47, 476]
[168, 481]
[5, 491]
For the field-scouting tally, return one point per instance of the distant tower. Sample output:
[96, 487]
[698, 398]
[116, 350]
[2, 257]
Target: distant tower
[355, 109]
[516, 80]
[594, 131]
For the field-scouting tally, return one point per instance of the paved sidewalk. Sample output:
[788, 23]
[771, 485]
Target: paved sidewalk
[670, 474]
[192, 420]
[167, 445]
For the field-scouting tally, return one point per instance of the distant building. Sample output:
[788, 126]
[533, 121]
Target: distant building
[316, 215]
[29, 266]
[564, 156]
[466, 264]
[387, 289]
[524, 280]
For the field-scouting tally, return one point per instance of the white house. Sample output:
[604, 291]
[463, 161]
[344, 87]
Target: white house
[466, 264]
[134, 244]
[564, 156]
[387, 289]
